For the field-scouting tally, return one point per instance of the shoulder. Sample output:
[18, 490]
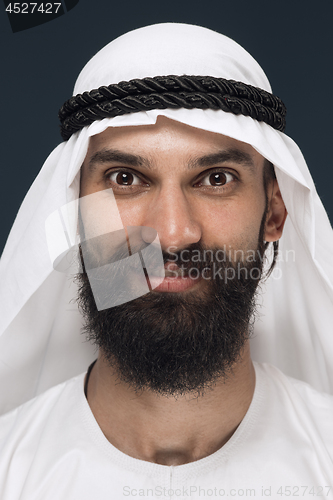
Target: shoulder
[308, 393]
[300, 402]
[32, 415]
[35, 436]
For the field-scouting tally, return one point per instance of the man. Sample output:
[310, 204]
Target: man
[168, 182]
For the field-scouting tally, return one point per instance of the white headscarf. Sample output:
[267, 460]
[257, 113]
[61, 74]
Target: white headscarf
[40, 324]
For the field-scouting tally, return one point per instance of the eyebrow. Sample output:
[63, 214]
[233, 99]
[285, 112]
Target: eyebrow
[232, 155]
[116, 156]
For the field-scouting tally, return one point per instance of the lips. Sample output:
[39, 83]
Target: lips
[176, 279]
[171, 270]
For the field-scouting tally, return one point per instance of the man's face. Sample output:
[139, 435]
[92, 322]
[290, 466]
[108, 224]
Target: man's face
[197, 190]
[189, 185]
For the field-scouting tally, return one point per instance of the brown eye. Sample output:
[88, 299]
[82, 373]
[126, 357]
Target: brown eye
[217, 179]
[124, 178]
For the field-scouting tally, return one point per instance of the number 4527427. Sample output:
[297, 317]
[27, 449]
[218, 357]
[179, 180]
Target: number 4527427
[30, 8]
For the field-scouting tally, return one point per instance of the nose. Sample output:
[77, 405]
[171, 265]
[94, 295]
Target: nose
[172, 216]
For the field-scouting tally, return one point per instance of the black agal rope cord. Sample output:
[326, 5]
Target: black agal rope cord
[162, 92]
[88, 376]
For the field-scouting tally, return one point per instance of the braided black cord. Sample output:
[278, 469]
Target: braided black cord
[162, 92]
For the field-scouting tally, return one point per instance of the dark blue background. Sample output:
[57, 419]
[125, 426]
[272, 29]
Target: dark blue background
[292, 41]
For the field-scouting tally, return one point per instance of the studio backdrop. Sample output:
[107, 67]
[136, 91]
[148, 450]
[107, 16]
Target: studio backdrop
[44, 46]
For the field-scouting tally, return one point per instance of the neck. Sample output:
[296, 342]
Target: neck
[168, 430]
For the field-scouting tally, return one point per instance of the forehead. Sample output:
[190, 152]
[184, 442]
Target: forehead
[169, 139]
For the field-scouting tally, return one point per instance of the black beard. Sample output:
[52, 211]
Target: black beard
[173, 343]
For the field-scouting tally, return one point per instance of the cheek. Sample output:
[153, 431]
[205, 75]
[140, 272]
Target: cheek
[133, 212]
[99, 214]
[234, 224]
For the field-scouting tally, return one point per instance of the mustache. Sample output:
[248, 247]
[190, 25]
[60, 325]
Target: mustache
[117, 248]
[123, 251]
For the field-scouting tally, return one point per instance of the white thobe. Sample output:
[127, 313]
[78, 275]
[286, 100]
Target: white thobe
[52, 448]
